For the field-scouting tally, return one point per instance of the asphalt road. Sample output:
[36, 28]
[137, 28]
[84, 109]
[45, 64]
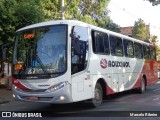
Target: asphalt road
[126, 105]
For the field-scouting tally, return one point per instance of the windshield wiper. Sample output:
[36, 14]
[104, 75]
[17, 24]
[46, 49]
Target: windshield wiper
[41, 64]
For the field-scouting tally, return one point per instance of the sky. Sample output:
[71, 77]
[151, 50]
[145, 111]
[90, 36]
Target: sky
[126, 12]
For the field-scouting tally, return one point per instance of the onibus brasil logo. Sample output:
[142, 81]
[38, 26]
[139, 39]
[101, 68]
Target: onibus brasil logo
[104, 63]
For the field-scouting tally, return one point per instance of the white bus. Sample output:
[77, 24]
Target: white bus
[67, 61]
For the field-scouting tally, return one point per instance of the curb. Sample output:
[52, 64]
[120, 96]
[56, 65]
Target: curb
[5, 101]
[5, 87]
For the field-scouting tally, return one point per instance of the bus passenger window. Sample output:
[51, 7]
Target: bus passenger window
[153, 53]
[116, 46]
[138, 50]
[146, 51]
[100, 42]
[128, 48]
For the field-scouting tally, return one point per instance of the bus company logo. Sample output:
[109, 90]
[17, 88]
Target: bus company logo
[103, 63]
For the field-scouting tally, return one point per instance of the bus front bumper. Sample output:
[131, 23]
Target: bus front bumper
[62, 95]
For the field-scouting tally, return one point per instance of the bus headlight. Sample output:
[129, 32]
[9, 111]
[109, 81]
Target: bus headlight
[16, 88]
[56, 87]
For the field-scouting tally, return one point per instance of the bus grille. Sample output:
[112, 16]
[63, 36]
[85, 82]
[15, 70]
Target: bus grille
[39, 90]
[42, 99]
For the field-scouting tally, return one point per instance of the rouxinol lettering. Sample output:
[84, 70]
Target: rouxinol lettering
[118, 64]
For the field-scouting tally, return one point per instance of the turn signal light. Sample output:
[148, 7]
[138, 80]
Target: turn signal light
[18, 66]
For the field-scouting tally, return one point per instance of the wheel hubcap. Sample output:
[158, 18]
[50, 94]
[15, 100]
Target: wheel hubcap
[98, 96]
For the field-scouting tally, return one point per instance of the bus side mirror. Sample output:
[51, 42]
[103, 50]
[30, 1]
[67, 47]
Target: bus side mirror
[72, 36]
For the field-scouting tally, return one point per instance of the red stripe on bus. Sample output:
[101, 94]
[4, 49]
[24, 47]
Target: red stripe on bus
[18, 84]
[149, 70]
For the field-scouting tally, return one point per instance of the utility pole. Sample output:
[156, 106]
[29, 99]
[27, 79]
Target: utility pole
[62, 9]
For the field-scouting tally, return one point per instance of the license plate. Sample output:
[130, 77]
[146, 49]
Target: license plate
[32, 98]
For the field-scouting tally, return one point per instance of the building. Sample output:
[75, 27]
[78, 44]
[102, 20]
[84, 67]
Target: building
[126, 31]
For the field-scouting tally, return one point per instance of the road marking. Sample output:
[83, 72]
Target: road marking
[156, 99]
[158, 82]
[156, 89]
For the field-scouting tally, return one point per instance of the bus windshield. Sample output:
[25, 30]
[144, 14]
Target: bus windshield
[41, 51]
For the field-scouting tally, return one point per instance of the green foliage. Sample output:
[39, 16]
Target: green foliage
[15, 14]
[94, 8]
[140, 30]
[113, 27]
[28, 13]
[51, 9]
[154, 2]
[158, 52]
[7, 20]
[154, 41]
[89, 11]
[72, 9]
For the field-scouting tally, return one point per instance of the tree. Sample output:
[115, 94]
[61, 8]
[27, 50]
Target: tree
[113, 26]
[97, 9]
[140, 30]
[89, 11]
[7, 20]
[158, 52]
[51, 9]
[154, 2]
[15, 14]
[30, 15]
[154, 41]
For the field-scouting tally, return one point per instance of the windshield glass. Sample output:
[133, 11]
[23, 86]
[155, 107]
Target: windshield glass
[41, 50]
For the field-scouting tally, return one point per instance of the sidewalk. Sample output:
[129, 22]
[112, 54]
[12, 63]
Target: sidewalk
[5, 95]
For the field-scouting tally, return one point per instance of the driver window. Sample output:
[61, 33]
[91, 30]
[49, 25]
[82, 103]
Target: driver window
[79, 48]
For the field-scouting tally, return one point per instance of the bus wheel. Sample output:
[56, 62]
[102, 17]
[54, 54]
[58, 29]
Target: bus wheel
[98, 96]
[142, 88]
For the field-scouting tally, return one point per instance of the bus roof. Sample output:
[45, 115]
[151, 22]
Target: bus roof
[75, 22]
[53, 22]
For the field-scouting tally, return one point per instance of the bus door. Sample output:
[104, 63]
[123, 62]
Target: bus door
[79, 61]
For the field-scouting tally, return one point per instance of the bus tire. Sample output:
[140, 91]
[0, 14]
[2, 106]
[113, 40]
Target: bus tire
[98, 96]
[142, 88]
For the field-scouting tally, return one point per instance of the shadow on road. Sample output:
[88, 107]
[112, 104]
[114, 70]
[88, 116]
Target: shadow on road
[81, 108]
